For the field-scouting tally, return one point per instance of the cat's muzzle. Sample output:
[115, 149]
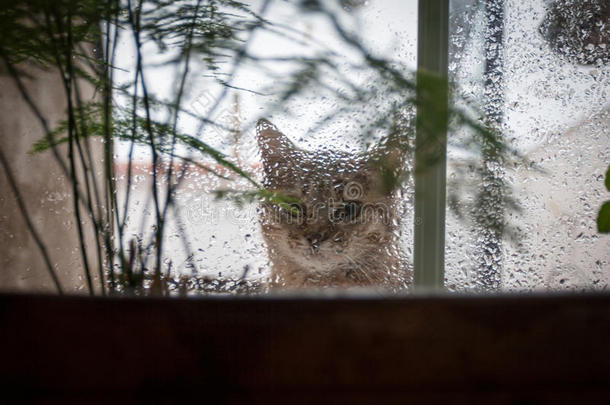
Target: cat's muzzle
[315, 240]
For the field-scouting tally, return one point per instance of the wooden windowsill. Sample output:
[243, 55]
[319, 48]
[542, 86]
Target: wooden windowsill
[498, 349]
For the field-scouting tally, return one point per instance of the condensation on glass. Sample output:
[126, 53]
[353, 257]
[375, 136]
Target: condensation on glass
[554, 112]
[220, 243]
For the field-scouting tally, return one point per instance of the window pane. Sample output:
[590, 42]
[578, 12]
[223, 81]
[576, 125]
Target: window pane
[304, 74]
[320, 192]
[553, 92]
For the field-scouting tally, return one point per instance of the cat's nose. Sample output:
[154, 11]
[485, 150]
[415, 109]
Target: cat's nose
[315, 239]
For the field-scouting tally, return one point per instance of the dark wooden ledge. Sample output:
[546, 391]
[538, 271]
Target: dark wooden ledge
[503, 349]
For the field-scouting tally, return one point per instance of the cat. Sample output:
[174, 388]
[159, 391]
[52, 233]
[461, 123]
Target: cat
[342, 230]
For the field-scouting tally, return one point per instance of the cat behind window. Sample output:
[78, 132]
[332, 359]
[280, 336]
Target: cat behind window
[342, 230]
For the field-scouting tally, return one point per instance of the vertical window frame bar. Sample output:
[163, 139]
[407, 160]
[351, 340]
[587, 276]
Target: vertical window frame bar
[430, 179]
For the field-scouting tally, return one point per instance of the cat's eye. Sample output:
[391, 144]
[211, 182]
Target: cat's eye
[352, 209]
[347, 212]
[296, 210]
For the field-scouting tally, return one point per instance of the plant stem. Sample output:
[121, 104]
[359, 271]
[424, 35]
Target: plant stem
[135, 25]
[176, 114]
[72, 134]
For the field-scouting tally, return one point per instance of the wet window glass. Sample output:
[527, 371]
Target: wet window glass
[192, 148]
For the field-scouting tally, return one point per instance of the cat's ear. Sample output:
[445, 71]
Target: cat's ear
[388, 162]
[274, 145]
